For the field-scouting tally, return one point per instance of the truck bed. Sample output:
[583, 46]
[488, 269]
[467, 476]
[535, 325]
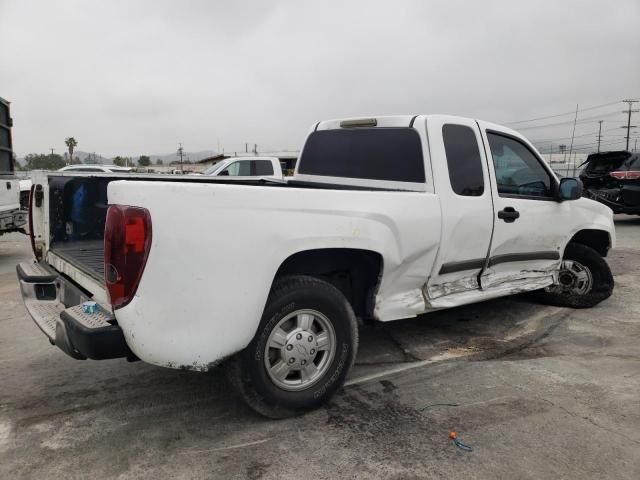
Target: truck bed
[88, 255]
[87, 252]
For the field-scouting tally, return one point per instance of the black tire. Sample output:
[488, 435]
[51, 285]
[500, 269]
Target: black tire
[247, 370]
[601, 284]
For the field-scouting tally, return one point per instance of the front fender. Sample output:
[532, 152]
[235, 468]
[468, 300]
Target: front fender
[591, 215]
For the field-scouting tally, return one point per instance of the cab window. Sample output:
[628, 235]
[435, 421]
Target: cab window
[518, 170]
[248, 168]
[262, 167]
[463, 160]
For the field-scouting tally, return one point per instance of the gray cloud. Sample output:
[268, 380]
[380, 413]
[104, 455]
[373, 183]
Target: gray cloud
[129, 77]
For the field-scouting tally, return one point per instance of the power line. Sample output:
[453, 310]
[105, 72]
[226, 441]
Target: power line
[579, 122]
[591, 146]
[567, 138]
[604, 144]
[562, 114]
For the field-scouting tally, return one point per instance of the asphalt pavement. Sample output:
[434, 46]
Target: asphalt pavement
[537, 391]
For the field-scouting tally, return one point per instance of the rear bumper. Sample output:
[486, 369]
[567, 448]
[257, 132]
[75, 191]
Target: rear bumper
[12, 220]
[55, 304]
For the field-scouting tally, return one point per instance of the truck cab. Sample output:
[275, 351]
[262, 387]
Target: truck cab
[239, 167]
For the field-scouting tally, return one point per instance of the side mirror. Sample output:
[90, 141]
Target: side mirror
[569, 189]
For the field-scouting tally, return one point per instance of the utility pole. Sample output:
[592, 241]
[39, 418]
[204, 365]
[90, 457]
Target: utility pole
[629, 112]
[180, 152]
[575, 119]
[599, 133]
[246, 148]
[255, 149]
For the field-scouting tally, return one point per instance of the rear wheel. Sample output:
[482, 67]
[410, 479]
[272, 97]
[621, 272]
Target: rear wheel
[302, 352]
[584, 279]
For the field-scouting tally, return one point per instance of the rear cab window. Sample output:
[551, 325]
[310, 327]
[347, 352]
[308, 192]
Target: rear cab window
[387, 154]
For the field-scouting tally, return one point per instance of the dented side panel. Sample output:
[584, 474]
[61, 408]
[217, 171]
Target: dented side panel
[540, 233]
[467, 220]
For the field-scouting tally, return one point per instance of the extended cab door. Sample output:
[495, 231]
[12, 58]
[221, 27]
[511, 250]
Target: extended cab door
[530, 225]
[462, 182]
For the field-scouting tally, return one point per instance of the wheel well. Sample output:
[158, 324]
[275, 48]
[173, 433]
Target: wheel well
[356, 273]
[597, 239]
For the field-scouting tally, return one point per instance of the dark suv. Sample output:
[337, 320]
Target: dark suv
[613, 178]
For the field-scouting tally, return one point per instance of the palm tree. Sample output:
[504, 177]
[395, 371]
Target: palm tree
[71, 143]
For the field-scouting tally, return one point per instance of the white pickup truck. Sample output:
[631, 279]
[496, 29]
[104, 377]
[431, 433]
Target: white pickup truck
[385, 218]
[12, 217]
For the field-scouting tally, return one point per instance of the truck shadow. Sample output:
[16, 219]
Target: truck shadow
[63, 387]
[471, 330]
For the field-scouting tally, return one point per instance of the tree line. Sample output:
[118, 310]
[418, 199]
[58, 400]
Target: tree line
[54, 161]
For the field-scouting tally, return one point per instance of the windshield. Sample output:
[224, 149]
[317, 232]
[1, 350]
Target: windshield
[213, 168]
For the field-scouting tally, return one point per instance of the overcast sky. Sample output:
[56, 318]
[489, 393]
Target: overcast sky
[135, 77]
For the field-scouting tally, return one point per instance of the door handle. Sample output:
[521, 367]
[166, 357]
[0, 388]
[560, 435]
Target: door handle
[509, 214]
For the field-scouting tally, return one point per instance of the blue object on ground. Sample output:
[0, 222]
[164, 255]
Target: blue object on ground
[462, 446]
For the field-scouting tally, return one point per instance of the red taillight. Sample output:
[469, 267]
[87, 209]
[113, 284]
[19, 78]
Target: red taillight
[127, 240]
[618, 175]
[633, 175]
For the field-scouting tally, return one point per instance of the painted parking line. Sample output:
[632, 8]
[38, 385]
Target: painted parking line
[533, 323]
[459, 353]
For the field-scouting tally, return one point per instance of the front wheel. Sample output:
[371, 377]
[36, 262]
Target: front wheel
[584, 279]
[302, 352]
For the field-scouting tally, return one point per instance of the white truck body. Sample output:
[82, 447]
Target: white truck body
[217, 249]
[9, 193]
[398, 225]
[12, 218]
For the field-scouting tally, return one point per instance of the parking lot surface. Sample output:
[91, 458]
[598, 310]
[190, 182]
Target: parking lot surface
[537, 391]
